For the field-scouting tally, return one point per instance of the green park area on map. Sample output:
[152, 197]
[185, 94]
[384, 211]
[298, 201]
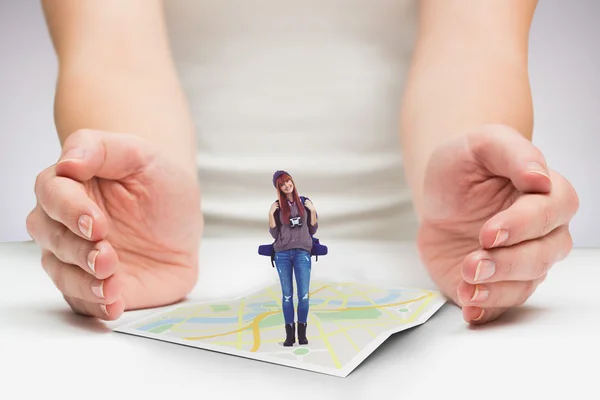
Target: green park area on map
[343, 322]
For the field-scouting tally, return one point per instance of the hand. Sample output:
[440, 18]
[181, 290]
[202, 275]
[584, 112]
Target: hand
[308, 204]
[274, 207]
[119, 225]
[484, 200]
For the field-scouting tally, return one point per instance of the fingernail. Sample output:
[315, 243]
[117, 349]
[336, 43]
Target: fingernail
[97, 288]
[480, 315]
[485, 269]
[501, 237]
[73, 154]
[85, 225]
[537, 168]
[91, 259]
[458, 297]
[103, 308]
[481, 293]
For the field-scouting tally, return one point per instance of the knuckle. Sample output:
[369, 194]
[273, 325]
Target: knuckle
[70, 216]
[40, 181]
[508, 266]
[30, 224]
[573, 199]
[544, 267]
[45, 259]
[544, 262]
[522, 296]
[569, 199]
[568, 242]
[37, 183]
[531, 287]
[60, 280]
[47, 263]
[82, 252]
[547, 219]
[528, 289]
[57, 240]
[47, 191]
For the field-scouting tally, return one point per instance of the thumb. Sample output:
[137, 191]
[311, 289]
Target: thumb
[479, 316]
[505, 152]
[89, 153]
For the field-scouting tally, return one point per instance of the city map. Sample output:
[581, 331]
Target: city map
[346, 323]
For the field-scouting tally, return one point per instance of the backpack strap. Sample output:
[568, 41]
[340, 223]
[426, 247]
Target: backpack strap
[276, 214]
[303, 200]
[308, 217]
[278, 223]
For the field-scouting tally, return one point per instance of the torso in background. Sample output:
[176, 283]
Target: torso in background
[312, 87]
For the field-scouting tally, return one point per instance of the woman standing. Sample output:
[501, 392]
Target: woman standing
[292, 225]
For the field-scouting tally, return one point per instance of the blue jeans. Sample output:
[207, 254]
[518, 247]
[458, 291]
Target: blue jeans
[297, 261]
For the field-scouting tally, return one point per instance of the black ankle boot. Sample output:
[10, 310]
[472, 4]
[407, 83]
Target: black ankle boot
[302, 333]
[290, 337]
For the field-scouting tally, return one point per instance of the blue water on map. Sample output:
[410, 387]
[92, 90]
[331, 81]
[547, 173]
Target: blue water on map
[160, 323]
[259, 308]
[221, 320]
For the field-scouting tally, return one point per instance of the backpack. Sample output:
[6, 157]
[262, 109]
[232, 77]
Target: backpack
[317, 248]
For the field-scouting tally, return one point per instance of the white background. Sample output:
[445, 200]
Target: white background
[564, 65]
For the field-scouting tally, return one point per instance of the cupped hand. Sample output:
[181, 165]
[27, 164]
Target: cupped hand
[274, 207]
[495, 220]
[308, 204]
[119, 225]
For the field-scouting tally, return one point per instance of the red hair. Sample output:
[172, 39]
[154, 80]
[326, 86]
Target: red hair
[284, 207]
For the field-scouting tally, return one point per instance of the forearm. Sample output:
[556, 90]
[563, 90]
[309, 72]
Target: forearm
[464, 77]
[116, 73]
[147, 104]
[313, 217]
[273, 229]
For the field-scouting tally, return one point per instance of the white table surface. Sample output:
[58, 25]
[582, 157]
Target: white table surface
[548, 348]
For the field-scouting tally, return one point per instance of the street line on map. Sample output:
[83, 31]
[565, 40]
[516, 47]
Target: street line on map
[255, 329]
[420, 308]
[255, 323]
[377, 306]
[365, 297]
[240, 321]
[345, 332]
[346, 309]
[190, 316]
[323, 336]
[390, 314]
[274, 297]
[342, 295]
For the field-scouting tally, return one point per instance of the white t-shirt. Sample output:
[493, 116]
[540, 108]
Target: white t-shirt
[312, 87]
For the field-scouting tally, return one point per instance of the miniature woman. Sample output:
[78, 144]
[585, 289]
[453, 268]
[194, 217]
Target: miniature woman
[292, 225]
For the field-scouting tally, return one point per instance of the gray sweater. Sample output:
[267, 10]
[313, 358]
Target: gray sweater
[298, 237]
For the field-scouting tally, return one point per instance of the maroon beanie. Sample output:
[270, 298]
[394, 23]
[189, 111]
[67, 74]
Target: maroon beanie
[276, 175]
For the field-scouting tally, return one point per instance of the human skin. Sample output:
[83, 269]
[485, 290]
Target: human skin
[466, 129]
[118, 99]
[288, 188]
